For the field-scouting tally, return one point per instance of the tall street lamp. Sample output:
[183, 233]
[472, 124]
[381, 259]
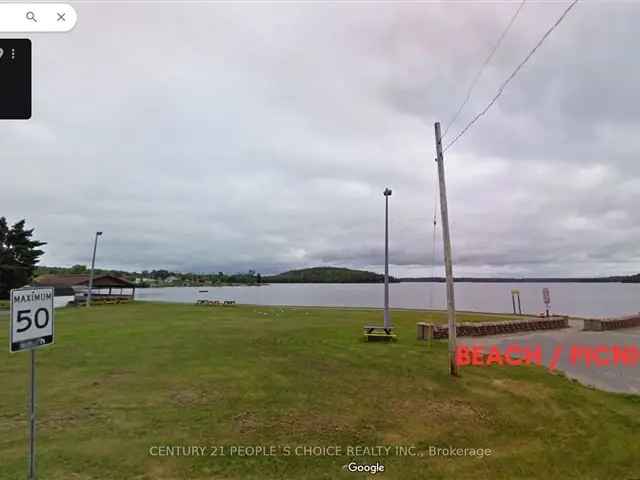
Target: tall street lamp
[93, 264]
[387, 194]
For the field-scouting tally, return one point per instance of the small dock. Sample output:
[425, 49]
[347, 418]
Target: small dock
[212, 303]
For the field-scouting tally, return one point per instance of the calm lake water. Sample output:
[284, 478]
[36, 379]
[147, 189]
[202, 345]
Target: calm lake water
[578, 299]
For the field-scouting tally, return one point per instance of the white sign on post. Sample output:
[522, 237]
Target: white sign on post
[546, 296]
[31, 318]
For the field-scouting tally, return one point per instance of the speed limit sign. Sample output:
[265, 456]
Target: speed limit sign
[31, 318]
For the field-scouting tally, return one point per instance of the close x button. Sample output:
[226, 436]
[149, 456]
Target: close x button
[15, 79]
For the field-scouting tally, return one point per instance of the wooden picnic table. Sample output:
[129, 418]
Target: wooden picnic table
[376, 331]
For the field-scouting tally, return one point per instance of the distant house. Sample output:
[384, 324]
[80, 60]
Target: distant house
[78, 285]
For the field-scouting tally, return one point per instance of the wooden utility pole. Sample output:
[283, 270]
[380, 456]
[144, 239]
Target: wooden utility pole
[448, 263]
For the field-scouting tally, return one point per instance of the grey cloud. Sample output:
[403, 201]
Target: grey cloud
[214, 137]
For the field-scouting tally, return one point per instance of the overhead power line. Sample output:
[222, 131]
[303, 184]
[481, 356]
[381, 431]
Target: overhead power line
[482, 67]
[510, 77]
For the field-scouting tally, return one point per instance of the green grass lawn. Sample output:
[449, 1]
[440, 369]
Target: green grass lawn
[4, 304]
[122, 379]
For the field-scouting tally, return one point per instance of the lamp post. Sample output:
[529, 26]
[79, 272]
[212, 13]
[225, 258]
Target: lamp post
[93, 263]
[387, 194]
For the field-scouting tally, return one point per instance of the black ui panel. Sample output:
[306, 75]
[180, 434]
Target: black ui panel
[15, 79]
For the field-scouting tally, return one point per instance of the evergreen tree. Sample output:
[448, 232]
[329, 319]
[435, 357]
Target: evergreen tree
[19, 255]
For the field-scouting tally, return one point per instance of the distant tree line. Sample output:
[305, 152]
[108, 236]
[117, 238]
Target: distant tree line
[612, 279]
[162, 276]
[20, 253]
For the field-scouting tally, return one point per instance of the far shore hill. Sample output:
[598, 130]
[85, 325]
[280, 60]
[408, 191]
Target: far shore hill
[346, 275]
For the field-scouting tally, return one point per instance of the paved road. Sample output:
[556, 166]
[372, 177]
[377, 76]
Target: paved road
[614, 378]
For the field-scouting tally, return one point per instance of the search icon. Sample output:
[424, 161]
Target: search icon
[34, 17]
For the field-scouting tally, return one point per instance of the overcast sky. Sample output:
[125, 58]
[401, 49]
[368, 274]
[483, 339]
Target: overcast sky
[206, 137]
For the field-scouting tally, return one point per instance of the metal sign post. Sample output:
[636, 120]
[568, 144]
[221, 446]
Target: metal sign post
[31, 327]
[32, 419]
[515, 293]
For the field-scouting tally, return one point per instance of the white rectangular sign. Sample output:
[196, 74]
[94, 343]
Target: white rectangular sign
[31, 318]
[546, 296]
